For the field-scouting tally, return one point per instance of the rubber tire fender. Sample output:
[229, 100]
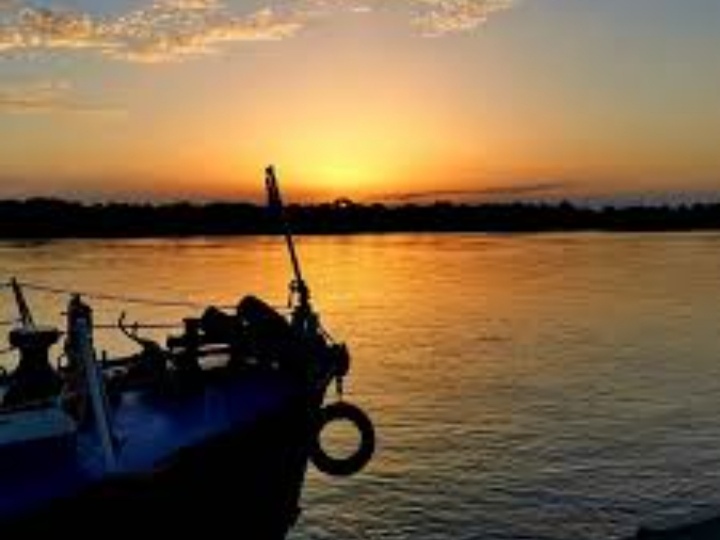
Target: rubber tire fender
[343, 410]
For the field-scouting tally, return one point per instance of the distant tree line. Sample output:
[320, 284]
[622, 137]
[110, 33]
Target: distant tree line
[52, 218]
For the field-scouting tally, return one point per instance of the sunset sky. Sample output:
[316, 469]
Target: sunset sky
[370, 99]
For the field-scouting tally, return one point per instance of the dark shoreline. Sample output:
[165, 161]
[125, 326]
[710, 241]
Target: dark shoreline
[53, 219]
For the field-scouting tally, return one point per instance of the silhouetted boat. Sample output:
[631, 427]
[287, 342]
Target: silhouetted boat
[695, 526]
[209, 432]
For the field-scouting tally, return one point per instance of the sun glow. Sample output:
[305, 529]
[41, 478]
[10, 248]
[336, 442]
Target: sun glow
[345, 175]
[355, 153]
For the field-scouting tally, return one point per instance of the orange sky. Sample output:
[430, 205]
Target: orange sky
[575, 96]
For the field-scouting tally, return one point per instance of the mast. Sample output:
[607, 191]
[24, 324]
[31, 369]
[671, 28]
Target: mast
[302, 314]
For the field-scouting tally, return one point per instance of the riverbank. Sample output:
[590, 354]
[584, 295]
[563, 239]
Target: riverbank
[51, 218]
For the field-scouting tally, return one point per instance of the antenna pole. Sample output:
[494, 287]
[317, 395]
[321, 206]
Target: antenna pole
[275, 201]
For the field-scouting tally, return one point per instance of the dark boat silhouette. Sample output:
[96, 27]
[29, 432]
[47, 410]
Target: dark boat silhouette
[210, 432]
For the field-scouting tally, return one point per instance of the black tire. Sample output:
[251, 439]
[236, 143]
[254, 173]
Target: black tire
[354, 463]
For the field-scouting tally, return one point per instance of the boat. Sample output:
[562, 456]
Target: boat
[211, 431]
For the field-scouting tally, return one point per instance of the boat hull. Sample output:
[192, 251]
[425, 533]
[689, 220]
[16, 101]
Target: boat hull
[247, 481]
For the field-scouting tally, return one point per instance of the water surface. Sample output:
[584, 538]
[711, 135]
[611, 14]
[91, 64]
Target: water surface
[523, 386]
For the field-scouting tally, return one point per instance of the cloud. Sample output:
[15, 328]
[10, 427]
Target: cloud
[537, 189]
[169, 30]
[165, 30]
[46, 97]
[175, 29]
[24, 27]
[439, 17]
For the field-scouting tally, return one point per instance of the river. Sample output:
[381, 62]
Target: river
[560, 386]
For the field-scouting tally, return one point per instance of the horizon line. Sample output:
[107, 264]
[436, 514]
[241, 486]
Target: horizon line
[588, 202]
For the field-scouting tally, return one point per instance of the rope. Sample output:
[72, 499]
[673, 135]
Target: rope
[140, 326]
[115, 298]
[109, 326]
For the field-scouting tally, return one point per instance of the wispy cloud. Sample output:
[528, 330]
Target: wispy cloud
[25, 27]
[46, 97]
[167, 30]
[440, 17]
[172, 30]
[537, 189]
